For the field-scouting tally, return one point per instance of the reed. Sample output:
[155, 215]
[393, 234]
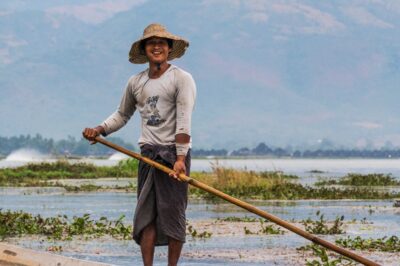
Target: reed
[275, 186]
[235, 182]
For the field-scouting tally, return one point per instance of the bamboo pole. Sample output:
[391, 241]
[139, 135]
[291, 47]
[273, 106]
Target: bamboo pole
[243, 205]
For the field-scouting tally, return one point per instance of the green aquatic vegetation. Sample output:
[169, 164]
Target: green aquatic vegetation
[362, 180]
[324, 257]
[32, 174]
[321, 227]
[362, 221]
[85, 187]
[315, 171]
[91, 187]
[270, 229]
[291, 191]
[266, 229]
[15, 224]
[253, 185]
[195, 234]
[248, 231]
[277, 175]
[245, 219]
[384, 244]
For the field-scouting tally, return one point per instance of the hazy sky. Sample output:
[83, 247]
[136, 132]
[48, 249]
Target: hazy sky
[281, 72]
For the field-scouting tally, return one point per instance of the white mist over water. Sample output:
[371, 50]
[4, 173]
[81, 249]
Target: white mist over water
[118, 156]
[26, 155]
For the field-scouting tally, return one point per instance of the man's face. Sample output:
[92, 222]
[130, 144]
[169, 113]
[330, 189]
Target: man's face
[157, 50]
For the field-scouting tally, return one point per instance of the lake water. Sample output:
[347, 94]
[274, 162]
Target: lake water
[301, 167]
[384, 217]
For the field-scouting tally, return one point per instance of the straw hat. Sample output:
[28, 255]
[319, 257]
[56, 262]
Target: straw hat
[179, 45]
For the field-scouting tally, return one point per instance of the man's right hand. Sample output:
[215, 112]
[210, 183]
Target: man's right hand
[92, 133]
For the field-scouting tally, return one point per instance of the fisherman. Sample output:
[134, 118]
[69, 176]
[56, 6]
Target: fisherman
[164, 95]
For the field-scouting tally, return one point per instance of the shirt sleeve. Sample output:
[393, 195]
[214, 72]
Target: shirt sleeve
[185, 99]
[124, 112]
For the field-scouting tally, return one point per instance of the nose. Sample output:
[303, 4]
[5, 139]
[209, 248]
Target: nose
[157, 44]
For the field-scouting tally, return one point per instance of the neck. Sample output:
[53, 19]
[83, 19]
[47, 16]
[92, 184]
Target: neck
[156, 70]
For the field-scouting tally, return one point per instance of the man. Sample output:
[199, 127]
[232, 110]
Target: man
[164, 95]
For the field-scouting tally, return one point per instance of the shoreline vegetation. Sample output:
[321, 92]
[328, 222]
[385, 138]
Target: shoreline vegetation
[72, 147]
[243, 184]
[238, 183]
[60, 229]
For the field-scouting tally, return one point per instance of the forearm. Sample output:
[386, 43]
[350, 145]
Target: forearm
[113, 123]
[182, 145]
[100, 129]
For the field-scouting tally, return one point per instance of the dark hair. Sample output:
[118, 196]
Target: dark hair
[143, 44]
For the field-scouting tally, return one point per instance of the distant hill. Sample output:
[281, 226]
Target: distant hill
[274, 71]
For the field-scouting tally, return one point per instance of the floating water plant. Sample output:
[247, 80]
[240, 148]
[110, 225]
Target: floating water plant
[15, 224]
[269, 229]
[321, 227]
[325, 258]
[33, 174]
[245, 219]
[195, 234]
[362, 180]
[384, 244]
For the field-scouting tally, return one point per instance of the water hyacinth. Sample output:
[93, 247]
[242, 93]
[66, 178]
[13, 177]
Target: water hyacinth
[321, 227]
[384, 244]
[15, 224]
[362, 180]
[33, 174]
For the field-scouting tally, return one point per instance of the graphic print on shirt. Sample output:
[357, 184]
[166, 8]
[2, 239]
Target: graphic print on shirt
[155, 118]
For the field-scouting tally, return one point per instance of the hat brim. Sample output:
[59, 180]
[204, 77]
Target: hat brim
[179, 46]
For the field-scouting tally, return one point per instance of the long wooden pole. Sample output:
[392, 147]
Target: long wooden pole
[243, 204]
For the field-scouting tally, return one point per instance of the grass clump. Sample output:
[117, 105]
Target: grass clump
[239, 183]
[321, 227]
[32, 174]
[15, 224]
[384, 244]
[362, 180]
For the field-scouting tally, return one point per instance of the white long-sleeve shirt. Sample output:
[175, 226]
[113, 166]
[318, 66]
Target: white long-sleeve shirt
[165, 105]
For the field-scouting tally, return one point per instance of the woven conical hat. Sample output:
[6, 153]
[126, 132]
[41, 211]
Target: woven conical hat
[179, 45]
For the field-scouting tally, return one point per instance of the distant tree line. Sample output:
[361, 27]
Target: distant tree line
[67, 147]
[81, 147]
[263, 150]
